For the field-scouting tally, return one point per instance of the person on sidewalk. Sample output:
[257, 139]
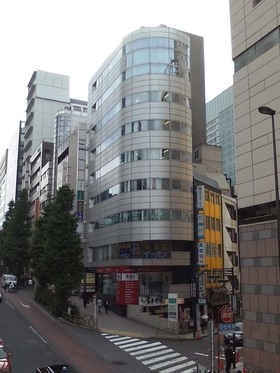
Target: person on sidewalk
[107, 305]
[229, 358]
[99, 305]
[85, 299]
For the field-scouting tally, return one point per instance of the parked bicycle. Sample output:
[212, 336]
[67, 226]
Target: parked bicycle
[87, 321]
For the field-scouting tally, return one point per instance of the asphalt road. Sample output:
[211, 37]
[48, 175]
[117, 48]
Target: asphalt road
[36, 339]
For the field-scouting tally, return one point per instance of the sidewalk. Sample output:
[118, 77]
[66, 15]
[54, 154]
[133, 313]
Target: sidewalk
[112, 323]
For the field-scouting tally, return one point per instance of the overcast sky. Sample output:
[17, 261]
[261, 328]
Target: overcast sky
[75, 37]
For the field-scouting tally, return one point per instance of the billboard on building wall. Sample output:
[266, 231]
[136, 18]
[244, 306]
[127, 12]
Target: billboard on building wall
[88, 283]
[127, 288]
[200, 197]
[201, 286]
[200, 226]
[80, 210]
[201, 254]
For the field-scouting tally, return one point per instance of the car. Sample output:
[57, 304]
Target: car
[228, 338]
[5, 361]
[7, 279]
[57, 368]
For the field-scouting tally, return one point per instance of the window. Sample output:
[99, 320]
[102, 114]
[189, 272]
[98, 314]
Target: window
[217, 199]
[218, 225]
[212, 224]
[206, 195]
[257, 49]
[207, 222]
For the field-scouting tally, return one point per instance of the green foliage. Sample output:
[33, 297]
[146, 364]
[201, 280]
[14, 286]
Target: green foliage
[51, 301]
[16, 233]
[56, 248]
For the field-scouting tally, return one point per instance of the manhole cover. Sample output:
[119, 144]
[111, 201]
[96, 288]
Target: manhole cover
[118, 362]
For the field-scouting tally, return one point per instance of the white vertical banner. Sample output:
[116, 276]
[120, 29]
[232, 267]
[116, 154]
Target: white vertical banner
[172, 307]
[201, 254]
[200, 197]
[201, 286]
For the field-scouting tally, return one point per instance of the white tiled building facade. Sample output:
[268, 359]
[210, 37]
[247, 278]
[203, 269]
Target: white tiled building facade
[255, 27]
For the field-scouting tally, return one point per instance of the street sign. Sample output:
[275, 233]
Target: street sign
[226, 328]
[226, 314]
[172, 307]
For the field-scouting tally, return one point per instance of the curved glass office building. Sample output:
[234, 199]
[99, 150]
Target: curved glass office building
[140, 201]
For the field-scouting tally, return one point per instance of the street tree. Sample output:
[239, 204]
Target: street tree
[4, 242]
[16, 235]
[56, 247]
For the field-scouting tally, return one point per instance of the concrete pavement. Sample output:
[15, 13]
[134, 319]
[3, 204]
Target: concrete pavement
[112, 323]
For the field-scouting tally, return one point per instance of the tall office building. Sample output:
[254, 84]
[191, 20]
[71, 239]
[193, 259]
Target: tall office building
[47, 93]
[11, 172]
[255, 30]
[62, 161]
[70, 155]
[14, 166]
[220, 130]
[146, 109]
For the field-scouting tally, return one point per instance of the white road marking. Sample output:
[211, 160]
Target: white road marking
[34, 331]
[166, 363]
[154, 355]
[200, 353]
[160, 358]
[139, 343]
[9, 304]
[137, 348]
[124, 342]
[159, 346]
[181, 366]
[24, 305]
[118, 339]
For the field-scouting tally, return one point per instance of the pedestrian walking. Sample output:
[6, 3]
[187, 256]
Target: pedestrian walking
[229, 358]
[85, 299]
[107, 305]
[99, 304]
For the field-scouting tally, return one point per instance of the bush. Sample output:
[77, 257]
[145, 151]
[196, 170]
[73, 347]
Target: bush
[75, 311]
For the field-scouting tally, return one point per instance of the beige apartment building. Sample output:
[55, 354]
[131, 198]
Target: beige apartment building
[255, 30]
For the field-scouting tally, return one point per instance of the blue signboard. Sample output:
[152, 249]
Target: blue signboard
[226, 328]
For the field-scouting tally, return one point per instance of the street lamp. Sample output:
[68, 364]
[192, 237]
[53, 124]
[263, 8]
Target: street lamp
[268, 111]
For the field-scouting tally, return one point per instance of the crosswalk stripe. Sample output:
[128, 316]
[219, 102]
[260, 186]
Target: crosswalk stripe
[160, 358]
[119, 339]
[181, 366]
[134, 344]
[154, 354]
[124, 342]
[158, 347]
[106, 335]
[166, 363]
[136, 348]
